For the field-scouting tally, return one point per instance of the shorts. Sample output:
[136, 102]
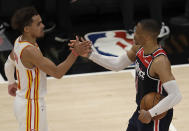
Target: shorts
[157, 125]
[30, 114]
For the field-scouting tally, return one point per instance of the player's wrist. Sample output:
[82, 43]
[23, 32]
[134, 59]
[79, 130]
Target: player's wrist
[149, 113]
[152, 113]
[75, 53]
[89, 54]
[11, 82]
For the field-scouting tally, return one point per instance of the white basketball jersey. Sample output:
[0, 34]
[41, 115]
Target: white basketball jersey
[31, 82]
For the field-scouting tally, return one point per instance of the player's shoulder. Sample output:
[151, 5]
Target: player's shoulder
[161, 58]
[161, 61]
[160, 64]
[31, 51]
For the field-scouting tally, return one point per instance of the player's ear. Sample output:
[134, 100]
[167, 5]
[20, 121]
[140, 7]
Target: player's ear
[26, 29]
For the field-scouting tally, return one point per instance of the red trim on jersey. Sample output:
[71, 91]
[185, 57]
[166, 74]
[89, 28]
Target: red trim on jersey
[30, 113]
[156, 124]
[159, 88]
[159, 51]
[18, 77]
[28, 119]
[27, 116]
[21, 42]
[22, 51]
[37, 116]
[36, 84]
[34, 114]
[145, 60]
[30, 81]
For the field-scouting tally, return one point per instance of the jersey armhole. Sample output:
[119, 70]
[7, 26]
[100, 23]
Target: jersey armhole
[23, 50]
[21, 59]
[148, 69]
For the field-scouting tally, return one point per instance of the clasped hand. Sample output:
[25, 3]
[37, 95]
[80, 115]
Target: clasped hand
[144, 116]
[82, 48]
[12, 88]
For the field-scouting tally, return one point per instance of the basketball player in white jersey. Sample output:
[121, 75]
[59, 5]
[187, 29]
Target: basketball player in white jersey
[31, 69]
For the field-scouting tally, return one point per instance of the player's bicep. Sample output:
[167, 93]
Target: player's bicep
[46, 65]
[163, 69]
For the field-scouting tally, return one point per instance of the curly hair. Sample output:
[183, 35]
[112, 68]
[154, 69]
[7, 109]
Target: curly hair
[23, 17]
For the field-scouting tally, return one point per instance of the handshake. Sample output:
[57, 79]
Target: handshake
[80, 48]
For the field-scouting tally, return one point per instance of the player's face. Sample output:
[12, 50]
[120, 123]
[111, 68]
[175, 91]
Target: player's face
[37, 27]
[139, 35]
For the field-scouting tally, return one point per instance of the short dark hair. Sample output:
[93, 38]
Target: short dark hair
[23, 17]
[151, 26]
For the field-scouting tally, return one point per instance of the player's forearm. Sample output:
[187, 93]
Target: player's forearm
[111, 63]
[57, 71]
[173, 98]
[9, 69]
[63, 67]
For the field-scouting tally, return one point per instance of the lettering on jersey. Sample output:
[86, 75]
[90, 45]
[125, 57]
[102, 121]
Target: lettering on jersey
[140, 73]
[146, 61]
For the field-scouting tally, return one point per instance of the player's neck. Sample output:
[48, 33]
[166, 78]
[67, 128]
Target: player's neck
[29, 38]
[150, 46]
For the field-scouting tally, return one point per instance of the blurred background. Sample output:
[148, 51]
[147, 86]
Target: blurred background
[95, 19]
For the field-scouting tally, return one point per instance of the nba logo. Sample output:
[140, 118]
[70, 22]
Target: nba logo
[110, 43]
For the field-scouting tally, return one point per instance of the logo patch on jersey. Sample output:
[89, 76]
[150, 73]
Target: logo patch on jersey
[140, 73]
[110, 43]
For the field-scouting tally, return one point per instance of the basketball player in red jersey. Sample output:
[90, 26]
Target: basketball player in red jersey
[153, 74]
[31, 69]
